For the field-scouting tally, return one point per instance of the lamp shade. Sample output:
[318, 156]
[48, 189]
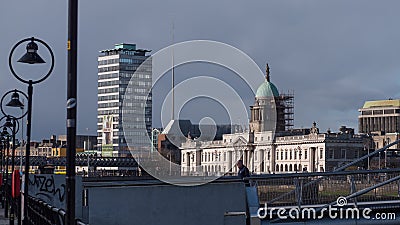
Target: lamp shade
[8, 122]
[5, 132]
[15, 102]
[31, 56]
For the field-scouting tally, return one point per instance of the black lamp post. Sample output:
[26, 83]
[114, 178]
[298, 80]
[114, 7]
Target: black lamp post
[71, 109]
[6, 135]
[3, 147]
[30, 57]
[12, 122]
[1, 167]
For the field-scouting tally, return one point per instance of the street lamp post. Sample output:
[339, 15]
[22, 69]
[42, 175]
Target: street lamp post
[71, 109]
[3, 147]
[11, 123]
[30, 57]
[7, 146]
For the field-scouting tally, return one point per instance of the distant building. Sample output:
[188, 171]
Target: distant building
[56, 147]
[381, 120]
[271, 145]
[379, 116]
[116, 67]
[263, 153]
[86, 142]
[180, 130]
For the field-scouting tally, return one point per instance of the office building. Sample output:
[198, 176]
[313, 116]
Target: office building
[380, 116]
[116, 68]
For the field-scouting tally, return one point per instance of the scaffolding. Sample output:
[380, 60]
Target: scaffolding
[285, 111]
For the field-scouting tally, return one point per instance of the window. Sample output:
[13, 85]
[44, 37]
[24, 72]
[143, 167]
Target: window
[281, 155]
[331, 153]
[321, 153]
[286, 154]
[269, 155]
[343, 154]
[291, 154]
[305, 154]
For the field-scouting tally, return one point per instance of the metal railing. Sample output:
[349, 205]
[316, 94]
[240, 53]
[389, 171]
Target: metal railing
[323, 188]
[305, 187]
[41, 213]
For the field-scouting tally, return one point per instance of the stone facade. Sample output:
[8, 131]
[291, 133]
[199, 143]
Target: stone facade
[263, 154]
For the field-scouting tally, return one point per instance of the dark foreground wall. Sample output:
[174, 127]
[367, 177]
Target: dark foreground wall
[158, 204]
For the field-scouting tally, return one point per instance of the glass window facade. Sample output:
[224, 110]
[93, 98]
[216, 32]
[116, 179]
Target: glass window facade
[116, 70]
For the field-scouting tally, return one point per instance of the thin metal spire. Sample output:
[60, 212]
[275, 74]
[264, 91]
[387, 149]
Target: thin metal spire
[173, 72]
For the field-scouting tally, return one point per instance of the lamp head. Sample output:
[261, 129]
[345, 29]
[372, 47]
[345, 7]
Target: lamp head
[5, 132]
[31, 56]
[8, 123]
[15, 102]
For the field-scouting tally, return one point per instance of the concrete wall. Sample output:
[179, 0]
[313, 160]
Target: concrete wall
[51, 189]
[167, 204]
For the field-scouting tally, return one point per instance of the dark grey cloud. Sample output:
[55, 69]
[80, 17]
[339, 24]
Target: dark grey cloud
[334, 54]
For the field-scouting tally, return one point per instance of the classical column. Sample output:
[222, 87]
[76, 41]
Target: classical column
[230, 165]
[262, 161]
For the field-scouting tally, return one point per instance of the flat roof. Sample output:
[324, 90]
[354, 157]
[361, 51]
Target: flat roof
[124, 47]
[382, 103]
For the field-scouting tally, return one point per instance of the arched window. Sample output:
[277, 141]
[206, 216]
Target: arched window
[290, 167]
[295, 167]
[281, 167]
[277, 167]
[286, 167]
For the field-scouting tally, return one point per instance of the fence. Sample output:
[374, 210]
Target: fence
[323, 188]
[41, 213]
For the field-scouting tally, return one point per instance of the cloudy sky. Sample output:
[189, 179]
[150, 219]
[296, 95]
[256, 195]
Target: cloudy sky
[333, 54]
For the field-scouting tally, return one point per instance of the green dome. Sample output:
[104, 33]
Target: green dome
[267, 89]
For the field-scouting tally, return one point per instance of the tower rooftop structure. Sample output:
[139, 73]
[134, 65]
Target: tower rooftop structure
[267, 89]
